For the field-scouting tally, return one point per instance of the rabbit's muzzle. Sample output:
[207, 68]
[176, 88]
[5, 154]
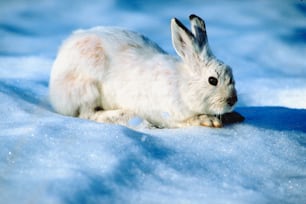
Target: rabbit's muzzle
[231, 101]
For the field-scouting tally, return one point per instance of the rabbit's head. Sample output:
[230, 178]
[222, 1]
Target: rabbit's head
[207, 84]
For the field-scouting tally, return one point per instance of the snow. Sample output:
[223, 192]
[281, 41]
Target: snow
[50, 158]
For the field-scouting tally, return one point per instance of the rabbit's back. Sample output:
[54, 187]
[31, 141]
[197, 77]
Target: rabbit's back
[119, 40]
[102, 50]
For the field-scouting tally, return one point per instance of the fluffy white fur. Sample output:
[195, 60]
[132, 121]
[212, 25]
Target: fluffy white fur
[113, 75]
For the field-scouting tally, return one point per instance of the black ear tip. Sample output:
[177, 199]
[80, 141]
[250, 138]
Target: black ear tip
[177, 22]
[192, 16]
[196, 18]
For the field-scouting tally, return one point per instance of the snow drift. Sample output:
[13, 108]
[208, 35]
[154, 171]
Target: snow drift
[49, 158]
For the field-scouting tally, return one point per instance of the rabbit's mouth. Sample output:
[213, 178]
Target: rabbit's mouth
[232, 100]
[223, 106]
[229, 103]
[220, 104]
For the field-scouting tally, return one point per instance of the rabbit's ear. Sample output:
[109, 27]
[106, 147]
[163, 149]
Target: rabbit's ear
[182, 39]
[199, 31]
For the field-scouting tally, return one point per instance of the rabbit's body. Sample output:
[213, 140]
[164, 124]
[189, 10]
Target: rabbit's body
[112, 75]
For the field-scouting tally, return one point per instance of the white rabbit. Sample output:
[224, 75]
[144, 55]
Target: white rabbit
[112, 75]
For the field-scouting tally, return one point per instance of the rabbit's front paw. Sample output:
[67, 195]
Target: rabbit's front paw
[210, 121]
[205, 120]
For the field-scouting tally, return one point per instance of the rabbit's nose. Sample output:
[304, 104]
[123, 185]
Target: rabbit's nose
[232, 100]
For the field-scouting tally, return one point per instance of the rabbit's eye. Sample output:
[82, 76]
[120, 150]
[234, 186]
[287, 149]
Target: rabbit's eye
[213, 81]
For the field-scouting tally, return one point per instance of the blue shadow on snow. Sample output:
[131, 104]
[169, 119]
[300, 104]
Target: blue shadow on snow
[275, 118]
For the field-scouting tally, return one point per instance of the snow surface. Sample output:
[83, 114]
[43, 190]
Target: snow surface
[49, 158]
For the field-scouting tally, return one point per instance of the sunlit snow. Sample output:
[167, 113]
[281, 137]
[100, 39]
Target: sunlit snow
[49, 158]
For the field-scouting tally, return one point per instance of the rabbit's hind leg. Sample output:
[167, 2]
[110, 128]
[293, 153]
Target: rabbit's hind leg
[121, 117]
